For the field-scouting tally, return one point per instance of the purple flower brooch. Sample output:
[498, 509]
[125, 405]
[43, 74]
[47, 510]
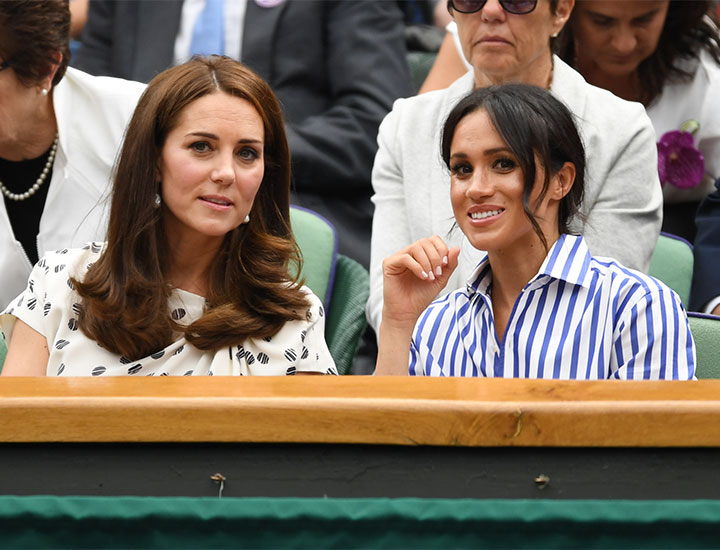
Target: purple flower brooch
[680, 163]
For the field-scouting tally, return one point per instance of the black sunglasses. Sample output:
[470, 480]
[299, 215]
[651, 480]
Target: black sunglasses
[518, 7]
[4, 65]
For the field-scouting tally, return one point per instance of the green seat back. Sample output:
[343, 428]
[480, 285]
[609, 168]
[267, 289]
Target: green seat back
[672, 263]
[317, 240]
[706, 333]
[420, 64]
[346, 320]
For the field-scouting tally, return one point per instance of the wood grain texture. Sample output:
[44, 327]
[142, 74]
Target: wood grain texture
[374, 410]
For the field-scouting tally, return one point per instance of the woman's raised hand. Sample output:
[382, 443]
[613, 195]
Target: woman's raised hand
[413, 277]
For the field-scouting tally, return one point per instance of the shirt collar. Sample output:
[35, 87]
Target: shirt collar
[568, 260]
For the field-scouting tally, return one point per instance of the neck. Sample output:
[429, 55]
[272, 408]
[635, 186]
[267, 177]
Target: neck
[513, 269]
[29, 137]
[625, 86]
[190, 263]
[537, 73]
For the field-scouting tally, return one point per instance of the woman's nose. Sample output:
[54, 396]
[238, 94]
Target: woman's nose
[223, 170]
[624, 41]
[492, 11]
[480, 186]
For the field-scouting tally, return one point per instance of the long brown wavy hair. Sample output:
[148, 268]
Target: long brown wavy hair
[250, 290]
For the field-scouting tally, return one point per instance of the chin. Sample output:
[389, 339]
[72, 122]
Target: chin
[620, 70]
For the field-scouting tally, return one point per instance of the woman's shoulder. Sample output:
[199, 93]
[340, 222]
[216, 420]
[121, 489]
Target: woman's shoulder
[429, 109]
[626, 281]
[56, 269]
[75, 261]
[315, 309]
[105, 90]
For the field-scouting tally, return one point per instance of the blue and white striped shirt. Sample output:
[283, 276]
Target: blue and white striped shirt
[579, 318]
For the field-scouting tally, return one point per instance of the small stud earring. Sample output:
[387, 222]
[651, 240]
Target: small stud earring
[158, 200]
[247, 219]
[44, 91]
[554, 35]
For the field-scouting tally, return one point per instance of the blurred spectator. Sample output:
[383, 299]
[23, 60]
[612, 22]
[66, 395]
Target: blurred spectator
[59, 133]
[705, 292]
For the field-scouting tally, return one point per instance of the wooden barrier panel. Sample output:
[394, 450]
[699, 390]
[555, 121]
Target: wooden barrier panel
[361, 410]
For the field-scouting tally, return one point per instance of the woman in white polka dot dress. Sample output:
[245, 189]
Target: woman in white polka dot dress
[193, 279]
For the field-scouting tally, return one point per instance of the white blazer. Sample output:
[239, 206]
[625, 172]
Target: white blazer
[92, 113]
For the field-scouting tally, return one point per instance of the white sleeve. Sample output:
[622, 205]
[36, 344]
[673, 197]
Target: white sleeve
[391, 229]
[313, 352]
[624, 222]
[33, 306]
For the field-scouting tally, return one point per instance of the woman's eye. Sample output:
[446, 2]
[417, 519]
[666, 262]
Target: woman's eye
[644, 21]
[460, 170]
[248, 153]
[504, 164]
[602, 21]
[200, 146]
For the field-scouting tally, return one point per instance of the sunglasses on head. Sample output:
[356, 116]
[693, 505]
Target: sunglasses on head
[518, 7]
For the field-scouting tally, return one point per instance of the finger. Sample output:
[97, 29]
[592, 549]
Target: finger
[418, 252]
[453, 255]
[399, 263]
[434, 257]
[442, 250]
[452, 263]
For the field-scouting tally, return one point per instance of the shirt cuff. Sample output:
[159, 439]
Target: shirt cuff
[712, 304]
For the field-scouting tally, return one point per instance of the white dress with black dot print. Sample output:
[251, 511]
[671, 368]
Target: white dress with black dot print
[51, 306]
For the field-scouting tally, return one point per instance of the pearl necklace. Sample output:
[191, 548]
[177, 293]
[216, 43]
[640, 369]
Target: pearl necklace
[38, 182]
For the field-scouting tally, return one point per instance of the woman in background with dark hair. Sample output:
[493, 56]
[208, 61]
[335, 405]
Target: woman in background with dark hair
[194, 278]
[666, 55]
[538, 305]
[60, 131]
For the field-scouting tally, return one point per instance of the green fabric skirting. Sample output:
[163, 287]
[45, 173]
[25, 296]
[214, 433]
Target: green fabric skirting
[136, 522]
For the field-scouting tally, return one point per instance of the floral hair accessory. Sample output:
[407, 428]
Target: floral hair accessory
[680, 163]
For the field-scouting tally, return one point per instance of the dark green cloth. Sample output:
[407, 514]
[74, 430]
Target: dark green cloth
[134, 522]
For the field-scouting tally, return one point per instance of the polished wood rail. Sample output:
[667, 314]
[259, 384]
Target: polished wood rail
[359, 409]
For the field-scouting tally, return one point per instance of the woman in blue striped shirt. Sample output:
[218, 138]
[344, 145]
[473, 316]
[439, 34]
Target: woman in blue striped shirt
[538, 305]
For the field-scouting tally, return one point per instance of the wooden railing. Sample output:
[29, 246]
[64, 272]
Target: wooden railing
[374, 410]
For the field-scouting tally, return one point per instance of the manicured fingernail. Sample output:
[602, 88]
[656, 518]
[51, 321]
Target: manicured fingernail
[424, 275]
[432, 277]
[445, 260]
[438, 271]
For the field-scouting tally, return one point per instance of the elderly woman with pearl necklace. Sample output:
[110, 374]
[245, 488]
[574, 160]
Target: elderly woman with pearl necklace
[60, 130]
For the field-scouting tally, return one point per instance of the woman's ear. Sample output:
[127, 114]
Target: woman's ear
[562, 181]
[47, 82]
[561, 15]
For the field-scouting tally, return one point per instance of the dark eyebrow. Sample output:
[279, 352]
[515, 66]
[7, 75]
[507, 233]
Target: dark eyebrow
[600, 15]
[487, 152]
[213, 136]
[498, 150]
[647, 15]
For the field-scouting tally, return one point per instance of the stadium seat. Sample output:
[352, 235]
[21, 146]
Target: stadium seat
[706, 333]
[672, 263]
